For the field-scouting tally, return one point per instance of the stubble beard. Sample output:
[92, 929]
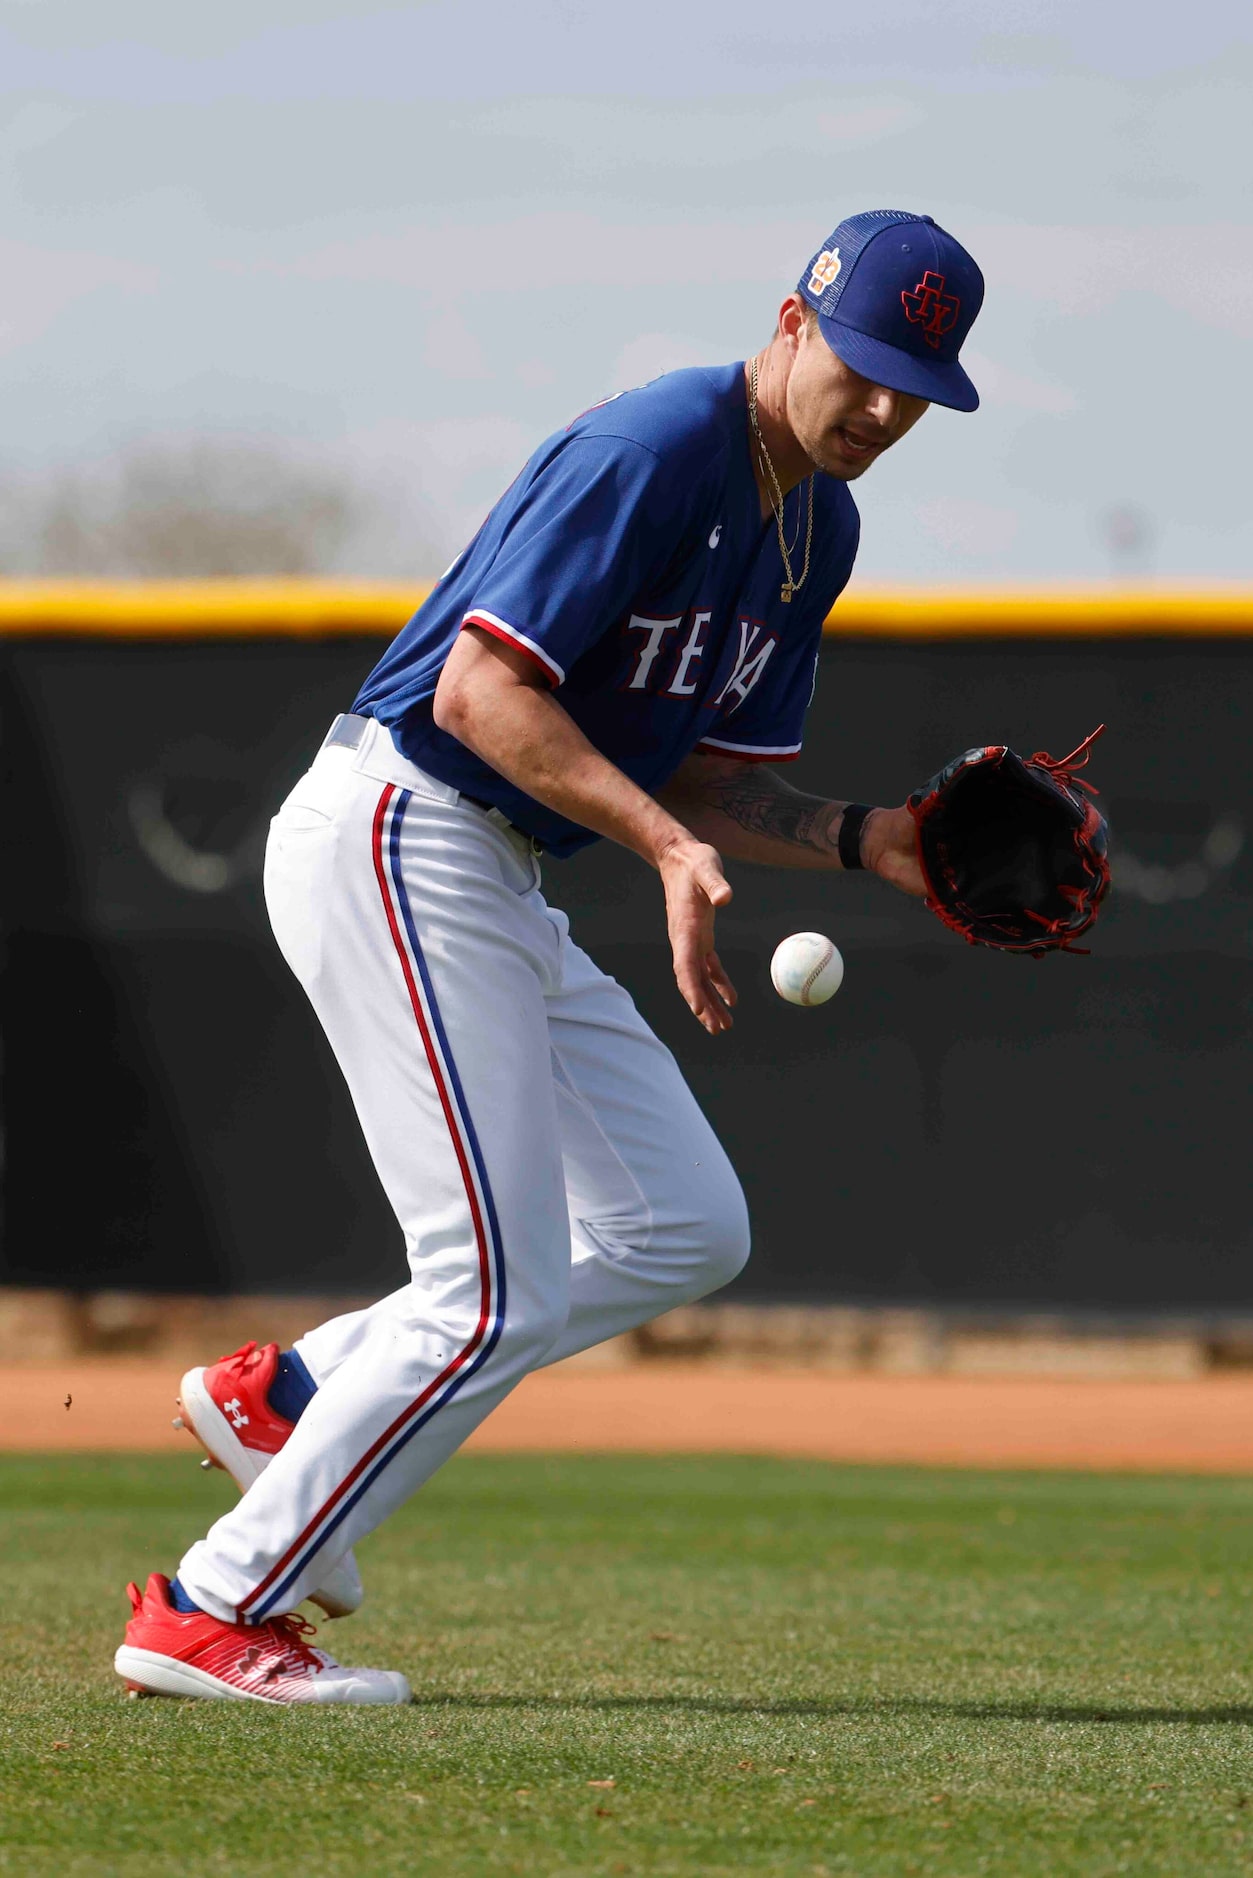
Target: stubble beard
[824, 455]
[837, 467]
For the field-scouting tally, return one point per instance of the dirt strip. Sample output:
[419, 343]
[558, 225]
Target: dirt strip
[1203, 1426]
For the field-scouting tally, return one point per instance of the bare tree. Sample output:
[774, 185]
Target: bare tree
[212, 507]
[209, 508]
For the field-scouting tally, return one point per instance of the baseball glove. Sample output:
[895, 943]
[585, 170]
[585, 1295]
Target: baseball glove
[1014, 850]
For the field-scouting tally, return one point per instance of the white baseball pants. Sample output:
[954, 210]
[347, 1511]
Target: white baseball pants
[555, 1181]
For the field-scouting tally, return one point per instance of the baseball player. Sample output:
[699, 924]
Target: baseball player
[626, 650]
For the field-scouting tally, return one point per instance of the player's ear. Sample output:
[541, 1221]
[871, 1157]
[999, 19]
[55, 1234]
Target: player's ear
[792, 322]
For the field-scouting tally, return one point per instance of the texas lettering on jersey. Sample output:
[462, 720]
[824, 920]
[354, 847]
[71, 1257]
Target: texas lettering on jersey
[667, 658]
[756, 646]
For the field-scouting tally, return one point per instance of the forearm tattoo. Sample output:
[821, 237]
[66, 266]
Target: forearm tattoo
[763, 803]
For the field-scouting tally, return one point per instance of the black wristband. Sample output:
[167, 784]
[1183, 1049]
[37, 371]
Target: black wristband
[854, 815]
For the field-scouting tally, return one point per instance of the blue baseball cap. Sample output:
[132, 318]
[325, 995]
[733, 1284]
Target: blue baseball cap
[895, 296]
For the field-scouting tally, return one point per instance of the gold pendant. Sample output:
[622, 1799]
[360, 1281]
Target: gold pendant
[785, 594]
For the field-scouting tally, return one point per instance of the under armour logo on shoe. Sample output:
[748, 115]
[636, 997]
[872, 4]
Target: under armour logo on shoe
[263, 1660]
[235, 1409]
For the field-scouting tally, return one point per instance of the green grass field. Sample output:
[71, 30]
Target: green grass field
[781, 1668]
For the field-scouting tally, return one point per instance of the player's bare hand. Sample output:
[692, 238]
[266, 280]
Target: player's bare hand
[889, 848]
[695, 887]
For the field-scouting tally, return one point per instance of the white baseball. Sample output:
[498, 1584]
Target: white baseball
[807, 968]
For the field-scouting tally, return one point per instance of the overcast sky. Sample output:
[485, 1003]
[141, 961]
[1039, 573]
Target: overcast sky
[414, 239]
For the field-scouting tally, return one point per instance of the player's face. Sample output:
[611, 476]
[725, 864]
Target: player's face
[841, 420]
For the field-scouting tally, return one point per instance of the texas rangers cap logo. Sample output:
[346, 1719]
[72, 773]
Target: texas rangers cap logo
[931, 308]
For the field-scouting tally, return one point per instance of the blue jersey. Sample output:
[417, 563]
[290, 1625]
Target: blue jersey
[630, 561]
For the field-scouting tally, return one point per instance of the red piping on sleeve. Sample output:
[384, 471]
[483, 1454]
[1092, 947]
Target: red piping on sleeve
[507, 639]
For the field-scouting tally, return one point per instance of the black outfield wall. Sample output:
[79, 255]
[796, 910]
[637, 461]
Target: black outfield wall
[956, 1127]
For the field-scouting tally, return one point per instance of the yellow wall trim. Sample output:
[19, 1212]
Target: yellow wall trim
[214, 609]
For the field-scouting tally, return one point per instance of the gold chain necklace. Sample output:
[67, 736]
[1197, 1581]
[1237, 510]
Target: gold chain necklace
[790, 586]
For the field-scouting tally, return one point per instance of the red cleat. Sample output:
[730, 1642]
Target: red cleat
[227, 1408]
[172, 1652]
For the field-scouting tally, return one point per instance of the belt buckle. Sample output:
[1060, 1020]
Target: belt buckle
[533, 847]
